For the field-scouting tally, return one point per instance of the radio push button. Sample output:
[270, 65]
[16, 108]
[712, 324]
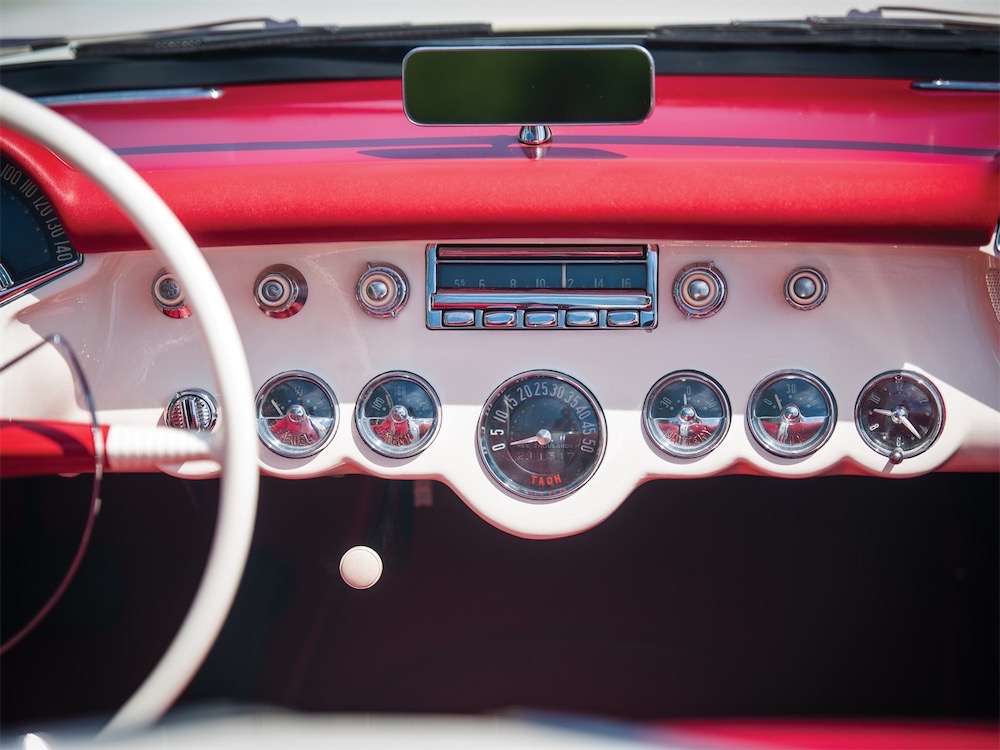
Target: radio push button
[581, 318]
[500, 319]
[541, 319]
[458, 318]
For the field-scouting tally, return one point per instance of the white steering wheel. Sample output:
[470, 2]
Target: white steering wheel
[235, 445]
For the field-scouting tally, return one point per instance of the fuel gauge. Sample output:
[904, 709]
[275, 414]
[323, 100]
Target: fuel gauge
[398, 414]
[296, 414]
[686, 414]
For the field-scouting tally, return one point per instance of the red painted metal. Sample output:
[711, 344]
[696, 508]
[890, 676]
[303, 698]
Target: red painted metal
[818, 734]
[44, 447]
[784, 159]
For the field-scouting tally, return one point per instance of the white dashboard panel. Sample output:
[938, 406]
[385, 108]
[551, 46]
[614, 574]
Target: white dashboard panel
[888, 308]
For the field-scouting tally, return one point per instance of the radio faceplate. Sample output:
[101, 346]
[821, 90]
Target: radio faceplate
[541, 286]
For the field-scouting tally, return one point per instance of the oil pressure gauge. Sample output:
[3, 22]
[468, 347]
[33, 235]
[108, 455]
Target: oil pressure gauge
[296, 414]
[899, 414]
[792, 413]
[686, 414]
[398, 414]
[541, 435]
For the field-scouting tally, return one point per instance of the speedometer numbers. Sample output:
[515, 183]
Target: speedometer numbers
[686, 414]
[792, 413]
[899, 414]
[542, 435]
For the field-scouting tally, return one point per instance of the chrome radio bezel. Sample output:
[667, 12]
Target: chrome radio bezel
[476, 305]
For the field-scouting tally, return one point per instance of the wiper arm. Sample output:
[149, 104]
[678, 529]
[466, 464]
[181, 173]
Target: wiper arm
[201, 40]
[237, 34]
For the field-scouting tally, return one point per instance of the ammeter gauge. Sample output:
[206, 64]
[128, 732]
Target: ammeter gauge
[296, 414]
[398, 414]
[899, 414]
[686, 414]
[792, 413]
[542, 435]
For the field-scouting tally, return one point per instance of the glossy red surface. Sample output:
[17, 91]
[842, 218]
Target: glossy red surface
[720, 158]
[839, 735]
[36, 448]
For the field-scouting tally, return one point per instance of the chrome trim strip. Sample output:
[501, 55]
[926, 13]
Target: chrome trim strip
[12, 293]
[130, 96]
[481, 301]
[943, 85]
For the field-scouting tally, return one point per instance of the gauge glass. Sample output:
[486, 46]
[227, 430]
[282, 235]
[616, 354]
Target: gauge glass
[899, 413]
[34, 247]
[792, 413]
[296, 414]
[398, 414]
[686, 414]
[542, 435]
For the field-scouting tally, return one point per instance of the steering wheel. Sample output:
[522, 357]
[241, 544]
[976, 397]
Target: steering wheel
[234, 446]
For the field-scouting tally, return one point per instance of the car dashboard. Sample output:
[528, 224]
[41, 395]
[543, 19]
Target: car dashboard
[736, 364]
[891, 231]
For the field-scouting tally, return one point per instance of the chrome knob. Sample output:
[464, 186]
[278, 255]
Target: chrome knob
[805, 288]
[280, 291]
[382, 290]
[699, 290]
[168, 295]
[193, 409]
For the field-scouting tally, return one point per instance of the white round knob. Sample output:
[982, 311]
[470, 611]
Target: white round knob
[361, 567]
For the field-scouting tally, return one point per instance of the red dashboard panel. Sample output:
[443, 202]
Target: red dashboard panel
[721, 158]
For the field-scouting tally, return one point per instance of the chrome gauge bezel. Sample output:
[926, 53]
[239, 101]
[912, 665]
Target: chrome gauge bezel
[280, 447]
[674, 447]
[862, 415]
[511, 475]
[367, 431]
[776, 446]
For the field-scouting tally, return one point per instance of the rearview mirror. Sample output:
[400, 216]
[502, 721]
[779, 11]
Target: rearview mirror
[586, 85]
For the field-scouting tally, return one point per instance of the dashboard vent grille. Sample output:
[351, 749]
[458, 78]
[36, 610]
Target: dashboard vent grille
[993, 289]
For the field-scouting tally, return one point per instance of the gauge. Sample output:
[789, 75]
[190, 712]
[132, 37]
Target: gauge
[34, 247]
[541, 435]
[686, 414]
[792, 413]
[398, 414]
[296, 414]
[899, 414]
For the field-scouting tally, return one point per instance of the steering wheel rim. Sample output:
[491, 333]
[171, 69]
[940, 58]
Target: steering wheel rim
[234, 446]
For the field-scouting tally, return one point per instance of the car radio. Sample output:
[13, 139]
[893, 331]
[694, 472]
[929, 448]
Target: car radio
[541, 286]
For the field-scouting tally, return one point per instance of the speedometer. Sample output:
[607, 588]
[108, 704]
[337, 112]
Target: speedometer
[542, 435]
[34, 247]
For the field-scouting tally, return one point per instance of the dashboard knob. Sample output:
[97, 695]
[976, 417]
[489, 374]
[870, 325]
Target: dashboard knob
[193, 409]
[168, 295]
[805, 288]
[361, 567]
[280, 291]
[382, 290]
[699, 290]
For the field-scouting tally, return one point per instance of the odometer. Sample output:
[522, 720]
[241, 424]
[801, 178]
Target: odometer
[541, 435]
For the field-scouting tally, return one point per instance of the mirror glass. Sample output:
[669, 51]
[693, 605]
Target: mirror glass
[528, 85]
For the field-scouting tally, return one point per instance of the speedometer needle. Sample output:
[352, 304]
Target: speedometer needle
[542, 437]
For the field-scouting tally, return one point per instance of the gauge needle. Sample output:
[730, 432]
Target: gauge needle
[543, 438]
[778, 400]
[277, 408]
[909, 425]
[883, 412]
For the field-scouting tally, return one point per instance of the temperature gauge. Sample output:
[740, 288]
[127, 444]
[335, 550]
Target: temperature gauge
[296, 414]
[686, 414]
[398, 414]
[792, 413]
[899, 414]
